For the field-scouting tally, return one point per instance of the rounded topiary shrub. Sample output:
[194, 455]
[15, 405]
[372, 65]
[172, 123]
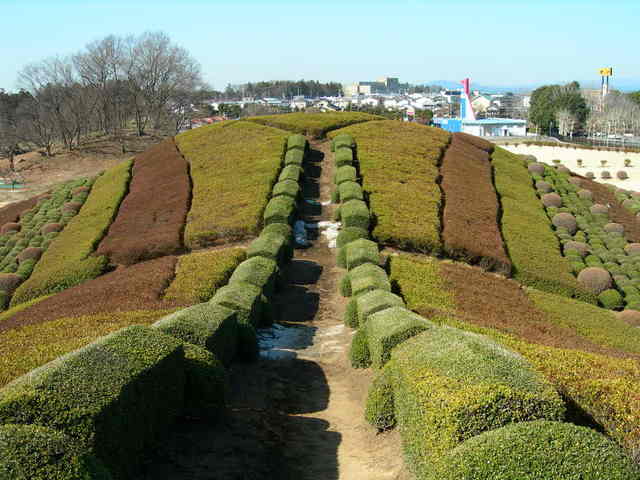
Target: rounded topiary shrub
[50, 228]
[632, 249]
[610, 299]
[563, 169]
[575, 181]
[605, 174]
[632, 317]
[622, 175]
[595, 279]
[10, 227]
[599, 208]
[538, 450]
[551, 200]
[614, 228]
[590, 175]
[536, 168]
[585, 194]
[543, 186]
[71, 206]
[582, 248]
[9, 282]
[565, 220]
[30, 253]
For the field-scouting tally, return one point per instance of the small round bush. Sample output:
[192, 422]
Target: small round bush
[535, 451]
[10, 227]
[585, 194]
[71, 206]
[595, 279]
[590, 175]
[632, 317]
[598, 208]
[563, 169]
[543, 186]
[30, 253]
[610, 299]
[50, 228]
[614, 228]
[605, 174]
[551, 200]
[582, 248]
[9, 282]
[622, 175]
[575, 181]
[565, 220]
[537, 168]
[632, 249]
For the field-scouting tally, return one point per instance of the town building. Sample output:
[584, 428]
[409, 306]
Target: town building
[384, 85]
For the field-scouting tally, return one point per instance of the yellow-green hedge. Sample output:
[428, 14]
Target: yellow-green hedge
[314, 124]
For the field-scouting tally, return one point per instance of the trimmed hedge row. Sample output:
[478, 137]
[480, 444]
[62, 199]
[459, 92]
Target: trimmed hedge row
[398, 163]
[68, 261]
[313, 124]
[531, 243]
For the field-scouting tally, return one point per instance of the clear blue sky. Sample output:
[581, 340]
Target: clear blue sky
[494, 41]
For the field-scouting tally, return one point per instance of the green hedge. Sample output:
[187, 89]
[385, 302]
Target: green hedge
[243, 298]
[294, 157]
[360, 252]
[68, 261]
[389, 327]
[449, 385]
[355, 213]
[344, 156]
[270, 245]
[213, 327]
[375, 301]
[364, 278]
[290, 172]
[537, 450]
[343, 140]
[205, 384]
[346, 174]
[348, 235]
[280, 210]
[115, 398]
[32, 452]
[287, 188]
[296, 141]
[259, 271]
[531, 243]
[359, 351]
[349, 191]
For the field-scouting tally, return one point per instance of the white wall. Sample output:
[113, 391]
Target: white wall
[590, 161]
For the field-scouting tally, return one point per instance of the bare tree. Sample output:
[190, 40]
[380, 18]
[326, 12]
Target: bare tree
[566, 121]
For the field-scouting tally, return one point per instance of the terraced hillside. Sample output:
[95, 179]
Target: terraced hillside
[389, 302]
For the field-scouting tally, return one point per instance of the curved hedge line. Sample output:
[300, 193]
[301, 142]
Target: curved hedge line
[398, 163]
[314, 124]
[68, 261]
[532, 245]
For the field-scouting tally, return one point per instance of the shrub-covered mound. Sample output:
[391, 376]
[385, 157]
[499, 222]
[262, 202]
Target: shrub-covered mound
[470, 216]
[538, 450]
[449, 385]
[68, 261]
[233, 167]
[530, 241]
[399, 167]
[151, 218]
[314, 124]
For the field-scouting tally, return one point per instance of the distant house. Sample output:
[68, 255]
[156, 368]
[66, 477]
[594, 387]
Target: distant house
[481, 103]
[298, 104]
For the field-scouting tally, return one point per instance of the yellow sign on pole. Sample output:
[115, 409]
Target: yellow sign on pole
[606, 72]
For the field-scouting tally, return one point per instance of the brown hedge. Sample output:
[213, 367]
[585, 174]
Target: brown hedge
[126, 289]
[470, 215]
[10, 213]
[152, 216]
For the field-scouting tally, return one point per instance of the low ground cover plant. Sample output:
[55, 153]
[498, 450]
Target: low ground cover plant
[151, 218]
[200, 274]
[470, 216]
[398, 163]
[314, 124]
[233, 168]
[530, 241]
[68, 260]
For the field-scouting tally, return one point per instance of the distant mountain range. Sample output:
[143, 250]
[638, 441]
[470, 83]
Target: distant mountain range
[623, 84]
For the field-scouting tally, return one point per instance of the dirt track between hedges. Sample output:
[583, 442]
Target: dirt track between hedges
[297, 413]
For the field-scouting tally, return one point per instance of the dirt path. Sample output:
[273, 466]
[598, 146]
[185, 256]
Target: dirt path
[297, 413]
